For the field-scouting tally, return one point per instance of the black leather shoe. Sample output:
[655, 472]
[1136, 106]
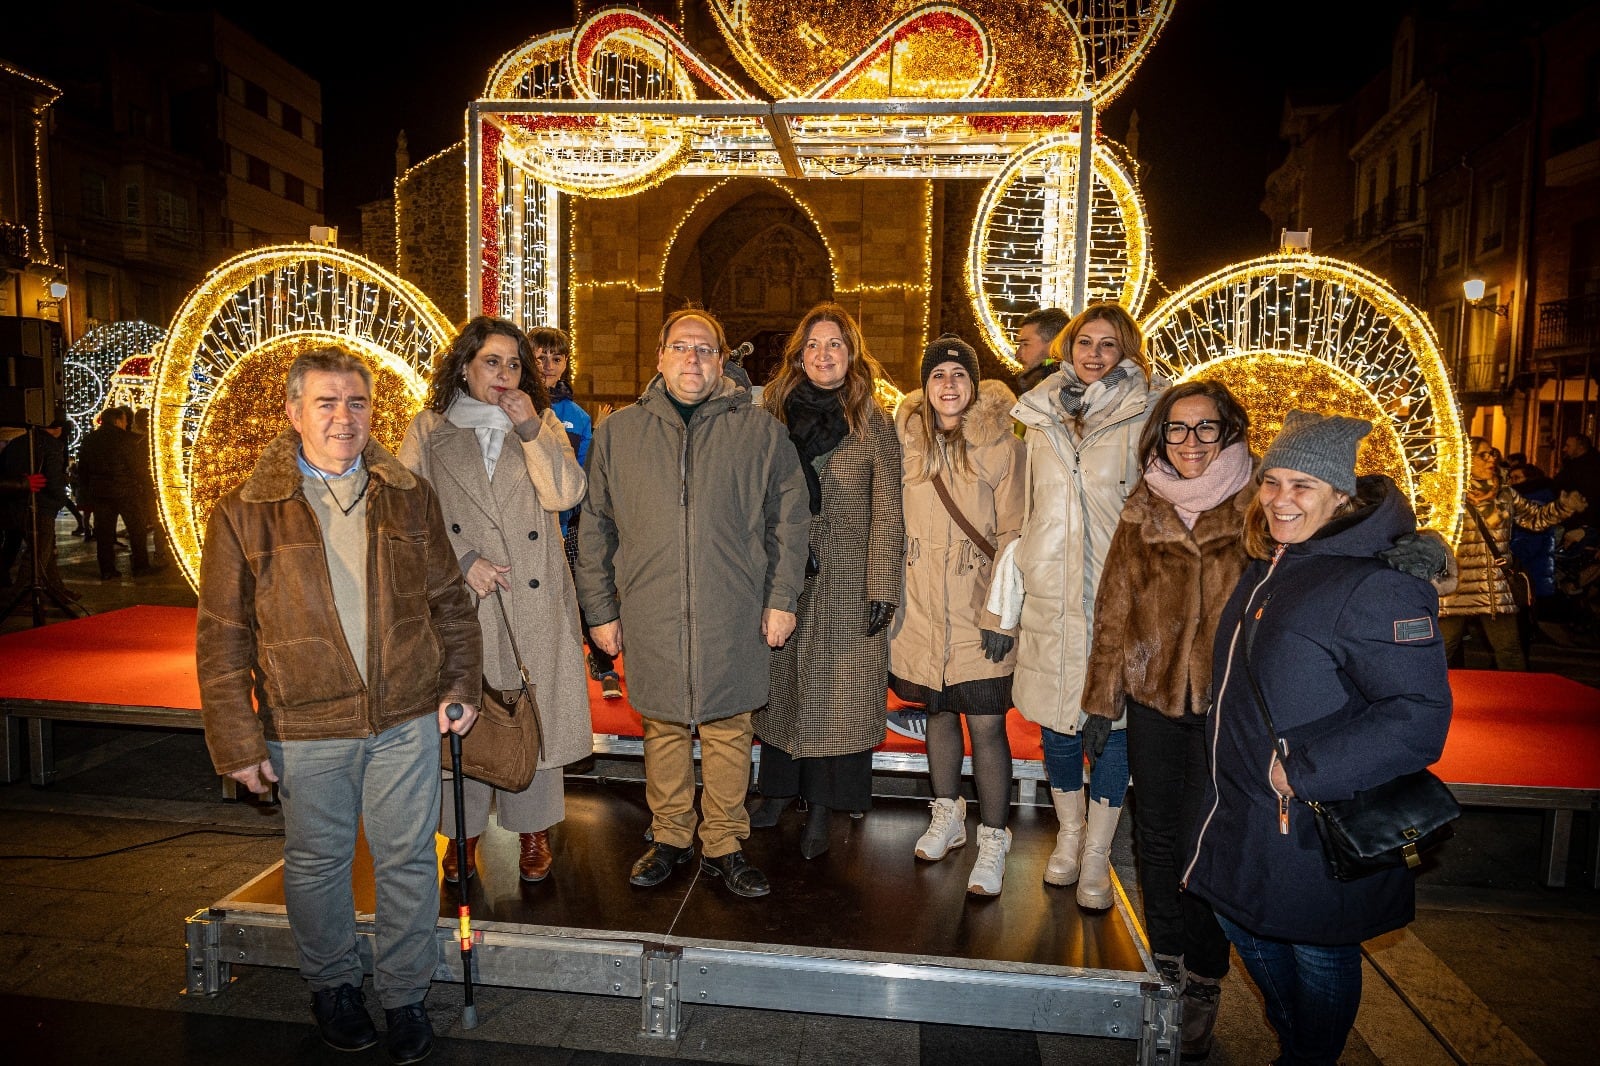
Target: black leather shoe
[410, 1033]
[765, 814]
[657, 864]
[342, 1018]
[743, 879]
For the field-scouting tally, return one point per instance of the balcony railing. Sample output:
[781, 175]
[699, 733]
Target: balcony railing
[1571, 323]
[1400, 206]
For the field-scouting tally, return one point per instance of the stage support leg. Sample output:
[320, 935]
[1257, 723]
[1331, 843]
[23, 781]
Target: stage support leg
[208, 970]
[11, 749]
[41, 745]
[660, 1004]
[1162, 1034]
[1555, 847]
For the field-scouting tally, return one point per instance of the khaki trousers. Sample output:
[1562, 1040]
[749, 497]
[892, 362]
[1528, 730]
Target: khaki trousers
[724, 769]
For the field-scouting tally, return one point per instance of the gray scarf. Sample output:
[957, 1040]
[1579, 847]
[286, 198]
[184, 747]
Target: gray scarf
[487, 420]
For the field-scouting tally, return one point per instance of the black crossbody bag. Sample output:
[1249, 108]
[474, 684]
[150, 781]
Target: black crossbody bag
[1378, 828]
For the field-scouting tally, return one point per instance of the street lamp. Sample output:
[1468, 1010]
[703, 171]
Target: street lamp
[58, 292]
[1474, 289]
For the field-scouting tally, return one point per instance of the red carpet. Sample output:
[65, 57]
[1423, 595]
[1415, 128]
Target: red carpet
[1517, 729]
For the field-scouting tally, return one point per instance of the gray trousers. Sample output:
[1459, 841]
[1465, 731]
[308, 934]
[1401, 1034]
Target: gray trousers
[536, 808]
[389, 784]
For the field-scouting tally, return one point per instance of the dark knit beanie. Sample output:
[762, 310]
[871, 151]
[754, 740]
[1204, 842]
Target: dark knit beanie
[949, 349]
[1323, 446]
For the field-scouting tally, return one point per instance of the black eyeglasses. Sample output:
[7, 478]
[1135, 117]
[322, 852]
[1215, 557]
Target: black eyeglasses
[1205, 431]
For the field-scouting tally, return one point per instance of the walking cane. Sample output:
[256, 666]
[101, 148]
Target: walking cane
[469, 1012]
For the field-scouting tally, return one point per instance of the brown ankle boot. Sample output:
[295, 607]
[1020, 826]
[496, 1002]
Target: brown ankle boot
[536, 858]
[451, 873]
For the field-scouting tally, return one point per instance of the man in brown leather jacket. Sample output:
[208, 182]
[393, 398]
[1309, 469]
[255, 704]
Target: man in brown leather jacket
[334, 630]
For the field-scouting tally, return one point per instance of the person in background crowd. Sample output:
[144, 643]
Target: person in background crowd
[149, 508]
[1346, 656]
[947, 650]
[33, 465]
[1580, 472]
[1173, 561]
[692, 552]
[1484, 596]
[828, 699]
[1082, 429]
[109, 474]
[553, 353]
[499, 458]
[1038, 330]
[334, 634]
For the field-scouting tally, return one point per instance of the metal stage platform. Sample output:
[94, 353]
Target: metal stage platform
[865, 930]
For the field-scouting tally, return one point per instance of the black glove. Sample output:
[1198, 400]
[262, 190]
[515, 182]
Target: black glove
[996, 646]
[1094, 734]
[878, 619]
[1422, 555]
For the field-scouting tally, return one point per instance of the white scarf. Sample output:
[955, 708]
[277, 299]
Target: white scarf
[487, 420]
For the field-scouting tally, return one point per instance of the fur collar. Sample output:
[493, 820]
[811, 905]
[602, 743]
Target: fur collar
[276, 476]
[1158, 520]
[986, 421]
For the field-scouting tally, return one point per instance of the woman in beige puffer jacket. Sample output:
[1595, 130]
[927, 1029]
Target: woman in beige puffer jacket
[947, 651]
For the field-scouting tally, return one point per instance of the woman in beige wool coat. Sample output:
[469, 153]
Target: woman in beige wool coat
[504, 470]
[947, 651]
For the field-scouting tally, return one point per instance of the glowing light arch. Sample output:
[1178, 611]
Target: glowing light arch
[1321, 334]
[1022, 250]
[219, 380]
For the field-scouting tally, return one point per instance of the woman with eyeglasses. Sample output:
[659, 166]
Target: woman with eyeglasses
[828, 698]
[1082, 428]
[1484, 595]
[1174, 561]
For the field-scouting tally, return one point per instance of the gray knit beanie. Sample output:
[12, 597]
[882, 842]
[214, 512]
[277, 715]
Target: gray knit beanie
[949, 348]
[1323, 446]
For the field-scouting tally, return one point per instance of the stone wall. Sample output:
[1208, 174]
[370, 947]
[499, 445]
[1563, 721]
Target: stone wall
[431, 217]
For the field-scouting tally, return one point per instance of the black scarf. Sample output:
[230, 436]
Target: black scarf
[816, 426]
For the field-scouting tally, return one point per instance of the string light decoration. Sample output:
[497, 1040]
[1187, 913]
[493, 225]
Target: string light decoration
[1041, 50]
[219, 378]
[134, 383]
[34, 249]
[93, 360]
[1023, 250]
[1310, 332]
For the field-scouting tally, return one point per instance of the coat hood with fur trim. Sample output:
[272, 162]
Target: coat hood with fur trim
[983, 423]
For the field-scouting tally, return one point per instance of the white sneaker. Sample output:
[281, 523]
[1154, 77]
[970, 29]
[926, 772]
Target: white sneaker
[946, 829]
[987, 872]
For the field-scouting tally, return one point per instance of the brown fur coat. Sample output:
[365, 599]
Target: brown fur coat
[1155, 614]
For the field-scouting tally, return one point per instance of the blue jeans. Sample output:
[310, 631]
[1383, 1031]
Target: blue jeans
[1063, 765]
[388, 784]
[1312, 992]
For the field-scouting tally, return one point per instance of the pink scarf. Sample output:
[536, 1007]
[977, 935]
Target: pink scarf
[1192, 497]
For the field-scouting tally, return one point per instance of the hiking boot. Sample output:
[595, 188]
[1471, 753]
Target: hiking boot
[947, 828]
[1200, 1001]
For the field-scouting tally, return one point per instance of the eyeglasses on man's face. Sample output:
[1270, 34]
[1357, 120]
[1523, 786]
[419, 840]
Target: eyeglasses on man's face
[1205, 431]
[701, 351]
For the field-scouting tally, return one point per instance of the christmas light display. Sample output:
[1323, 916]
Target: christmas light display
[1303, 331]
[219, 379]
[1023, 251]
[133, 385]
[92, 361]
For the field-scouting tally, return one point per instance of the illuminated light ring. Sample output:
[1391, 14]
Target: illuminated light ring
[1290, 330]
[857, 79]
[1018, 243]
[1043, 51]
[86, 393]
[595, 168]
[549, 50]
[231, 341]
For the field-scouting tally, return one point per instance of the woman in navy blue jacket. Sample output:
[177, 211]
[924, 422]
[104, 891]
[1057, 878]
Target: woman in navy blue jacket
[1347, 655]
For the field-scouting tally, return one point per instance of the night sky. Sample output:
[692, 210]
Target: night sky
[1208, 96]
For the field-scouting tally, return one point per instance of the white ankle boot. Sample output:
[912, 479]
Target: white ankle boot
[990, 868]
[1094, 880]
[947, 829]
[1062, 869]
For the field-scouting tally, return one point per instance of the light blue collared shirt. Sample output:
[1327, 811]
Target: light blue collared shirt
[310, 471]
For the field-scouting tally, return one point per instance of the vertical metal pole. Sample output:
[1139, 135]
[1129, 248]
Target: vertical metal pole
[1081, 219]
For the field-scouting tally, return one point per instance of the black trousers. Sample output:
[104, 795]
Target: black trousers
[1167, 758]
[106, 513]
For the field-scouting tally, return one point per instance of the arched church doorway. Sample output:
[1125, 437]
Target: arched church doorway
[758, 266]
